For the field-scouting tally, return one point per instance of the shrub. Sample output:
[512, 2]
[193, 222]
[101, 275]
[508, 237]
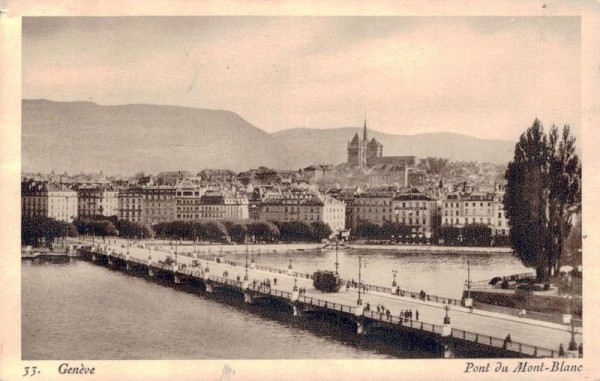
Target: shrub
[529, 287]
[504, 285]
[495, 280]
[546, 286]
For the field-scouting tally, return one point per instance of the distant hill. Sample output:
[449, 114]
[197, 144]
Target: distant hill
[329, 145]
[84, 136]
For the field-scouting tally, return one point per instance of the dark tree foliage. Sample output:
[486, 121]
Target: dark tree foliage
[477, 235]
[296, 231]
[215, 231]
[95, 226]
[396, 230]
[264, 231]
[368, 230]
[433, 165]
[238, 232]
[450, 235]
[128, 229]
[38, 230]
[320, 230]
[543, 193]
[180, 230]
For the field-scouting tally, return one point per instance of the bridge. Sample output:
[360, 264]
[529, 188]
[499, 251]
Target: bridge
[449, 328]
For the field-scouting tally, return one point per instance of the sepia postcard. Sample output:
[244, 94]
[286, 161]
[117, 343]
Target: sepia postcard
[299, 190]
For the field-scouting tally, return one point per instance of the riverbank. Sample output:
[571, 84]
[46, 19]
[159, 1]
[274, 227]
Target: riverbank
[434, 249]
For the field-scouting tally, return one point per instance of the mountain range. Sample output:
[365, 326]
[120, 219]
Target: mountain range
[85, 136]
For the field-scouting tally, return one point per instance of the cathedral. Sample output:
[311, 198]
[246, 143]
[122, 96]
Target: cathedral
[361, 152]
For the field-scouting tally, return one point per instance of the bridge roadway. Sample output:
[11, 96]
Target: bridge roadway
[522, 330]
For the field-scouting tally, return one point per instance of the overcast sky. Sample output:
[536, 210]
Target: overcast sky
[482, 76]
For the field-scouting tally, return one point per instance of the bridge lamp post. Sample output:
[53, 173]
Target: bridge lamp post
[447, 318]
[572, 343]
[468, 279]
[394, 273]
[336, 257]
[246, 276]
[290, 265]
[359, 301]
[295, 284]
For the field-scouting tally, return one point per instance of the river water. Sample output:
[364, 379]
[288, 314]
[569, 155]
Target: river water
[78, 310]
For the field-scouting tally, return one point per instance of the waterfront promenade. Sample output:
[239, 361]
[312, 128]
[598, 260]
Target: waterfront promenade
[522, 330]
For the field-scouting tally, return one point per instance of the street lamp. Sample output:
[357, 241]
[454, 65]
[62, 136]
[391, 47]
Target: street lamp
[394, 273]
[246, 276]
[447, 318]
[295, 284]
[290, 265]
[468, 279]
[359, 301]
[572, 343]
[336, 257]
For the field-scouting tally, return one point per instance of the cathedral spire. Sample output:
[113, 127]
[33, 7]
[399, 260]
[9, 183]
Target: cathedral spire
[365, 128]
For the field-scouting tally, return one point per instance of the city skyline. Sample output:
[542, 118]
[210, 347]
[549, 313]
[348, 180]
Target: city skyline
[409, 74]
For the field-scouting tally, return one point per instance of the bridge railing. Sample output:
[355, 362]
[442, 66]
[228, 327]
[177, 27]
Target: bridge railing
[229, 282]
[326, 304]
[526, 349]
[416, 324]
[267, 268]
[412, 294]
[552, 318]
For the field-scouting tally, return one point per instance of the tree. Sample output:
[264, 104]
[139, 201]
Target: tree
[368, 230]
[296, 231]
[238, 232]
[264, 231]
[477, 235]
[543, 192]
[320, 230]
[215, 231]
[34, 229]
[129, 229]
[433, 165]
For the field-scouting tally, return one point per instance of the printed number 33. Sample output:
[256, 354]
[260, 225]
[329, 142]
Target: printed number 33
[30, 371]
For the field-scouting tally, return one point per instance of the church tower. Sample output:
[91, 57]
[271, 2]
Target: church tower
[357, 149]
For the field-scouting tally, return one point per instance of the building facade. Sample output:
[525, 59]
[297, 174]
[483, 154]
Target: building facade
[223, 205]
[416, 209]
[304, 206]
[158, 204]
[373, 206]
[41, 199]
[130, 205]
[461, 209]
[97, 201]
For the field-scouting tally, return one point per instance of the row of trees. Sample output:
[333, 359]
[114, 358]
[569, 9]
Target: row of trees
[42, 231]
[543, 194]
[470, 235]
[241, 232]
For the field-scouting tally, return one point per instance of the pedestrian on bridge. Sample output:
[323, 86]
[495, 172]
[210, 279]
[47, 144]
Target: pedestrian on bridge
[275, 281]
[417, 314]
[561, 351]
